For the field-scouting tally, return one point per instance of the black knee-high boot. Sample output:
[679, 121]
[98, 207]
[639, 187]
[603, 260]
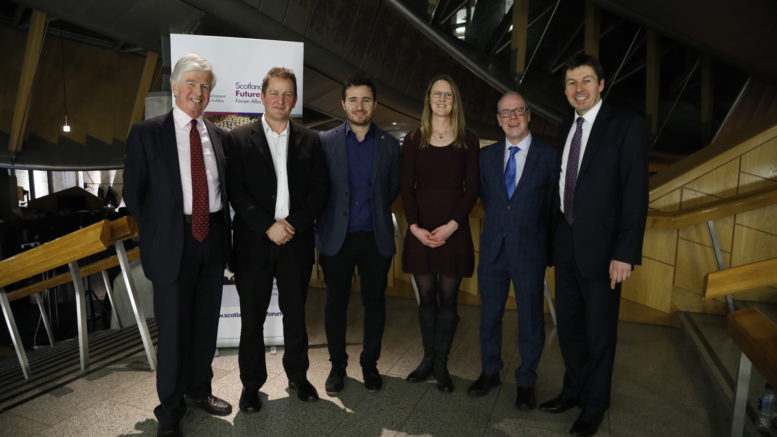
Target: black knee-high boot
[443, 339]
[427, 317]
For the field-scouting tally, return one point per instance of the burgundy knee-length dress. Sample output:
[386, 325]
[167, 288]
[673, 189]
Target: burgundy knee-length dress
[439, 184]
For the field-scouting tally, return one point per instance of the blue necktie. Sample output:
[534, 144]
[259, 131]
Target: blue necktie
[510, 172]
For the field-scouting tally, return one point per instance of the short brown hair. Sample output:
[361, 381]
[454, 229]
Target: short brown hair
[281, 73]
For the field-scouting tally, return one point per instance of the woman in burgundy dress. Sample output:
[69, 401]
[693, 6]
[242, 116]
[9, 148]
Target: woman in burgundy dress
[439, 186]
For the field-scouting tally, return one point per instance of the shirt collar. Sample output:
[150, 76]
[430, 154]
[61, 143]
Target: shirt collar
[590, 116]
[182, 119]
[524, 144]
[348, 129]
[268, 130]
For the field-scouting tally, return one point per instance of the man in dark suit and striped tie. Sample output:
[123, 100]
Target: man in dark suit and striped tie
[601, 209]
[517, 176]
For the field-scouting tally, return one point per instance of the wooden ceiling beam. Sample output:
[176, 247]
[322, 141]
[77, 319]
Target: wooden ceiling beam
[32, 52]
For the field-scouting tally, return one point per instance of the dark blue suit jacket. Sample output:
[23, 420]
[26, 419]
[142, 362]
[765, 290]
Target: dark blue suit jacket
[154, 197]
[332, 226]
[521, 223]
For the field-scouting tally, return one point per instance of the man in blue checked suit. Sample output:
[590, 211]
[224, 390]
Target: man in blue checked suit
[517, 178]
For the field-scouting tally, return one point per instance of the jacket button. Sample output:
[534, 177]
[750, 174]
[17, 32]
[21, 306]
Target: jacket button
[508, 207]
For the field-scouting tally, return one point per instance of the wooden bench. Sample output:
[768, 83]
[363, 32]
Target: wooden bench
[68, 250]
[756, 337]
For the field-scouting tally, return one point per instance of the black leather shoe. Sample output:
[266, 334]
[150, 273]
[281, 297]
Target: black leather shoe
[372, 379]
[249, 401]
[483, 384]
[305, 390]
[213, 405]
[525, 399]
[586, 425]
[559, 404]
[334, 382]
[169, 430]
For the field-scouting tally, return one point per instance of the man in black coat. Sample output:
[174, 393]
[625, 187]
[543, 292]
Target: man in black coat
[175, 187]
[279, 184]
[602, 208]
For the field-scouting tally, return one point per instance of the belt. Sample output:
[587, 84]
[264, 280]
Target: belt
[212, 216]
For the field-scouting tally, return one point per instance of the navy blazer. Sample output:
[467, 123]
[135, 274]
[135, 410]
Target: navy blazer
[154, 196]
[332, 226]
[521, 223]
[611, 194]
[253, 187]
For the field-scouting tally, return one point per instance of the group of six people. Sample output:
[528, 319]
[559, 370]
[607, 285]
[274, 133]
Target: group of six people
[580, 208]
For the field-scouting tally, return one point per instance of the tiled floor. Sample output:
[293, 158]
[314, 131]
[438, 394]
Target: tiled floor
[659, 390]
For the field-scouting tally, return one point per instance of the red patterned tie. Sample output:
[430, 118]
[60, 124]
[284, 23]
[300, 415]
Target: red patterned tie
[200, 209]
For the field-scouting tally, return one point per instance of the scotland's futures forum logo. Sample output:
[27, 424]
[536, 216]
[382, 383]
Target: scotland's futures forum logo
[247, 92]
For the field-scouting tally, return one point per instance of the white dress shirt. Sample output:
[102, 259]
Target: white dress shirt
[520, 156]
[589, 118]
[183, 127]
[279, 148]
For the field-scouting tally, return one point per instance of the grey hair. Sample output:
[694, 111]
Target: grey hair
[192, 62]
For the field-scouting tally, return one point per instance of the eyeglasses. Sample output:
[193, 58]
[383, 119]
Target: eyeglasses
[442, 95]
[506, 113]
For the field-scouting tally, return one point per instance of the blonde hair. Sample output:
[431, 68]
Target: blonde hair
[456, 117]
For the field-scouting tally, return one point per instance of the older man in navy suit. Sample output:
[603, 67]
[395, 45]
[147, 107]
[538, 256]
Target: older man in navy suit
[601, 209]
[356, 228]
[175, 187]
[517, 177]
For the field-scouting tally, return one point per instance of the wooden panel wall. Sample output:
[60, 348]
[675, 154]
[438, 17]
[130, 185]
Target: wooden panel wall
[675, 261]
[101, 87]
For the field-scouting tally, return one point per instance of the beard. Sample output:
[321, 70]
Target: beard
[359, 122]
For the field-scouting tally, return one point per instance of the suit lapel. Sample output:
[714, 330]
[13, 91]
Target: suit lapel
[531, 161]
[170, 154]
[293, 150]
[380, 151]
[596, 140]
[340, 154]
[218, 149]
[259, 142]
[496, 168]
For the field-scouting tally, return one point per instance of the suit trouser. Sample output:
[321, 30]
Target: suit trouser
[255, 290]
[187, 316]
[587, 312]
[358, 250]
[494, 283]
